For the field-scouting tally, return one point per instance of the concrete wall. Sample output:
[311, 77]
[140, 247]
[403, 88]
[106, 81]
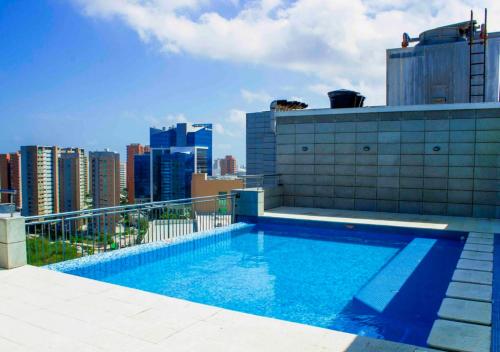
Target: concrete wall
[201, 186]
[273, 197]
[417, 159]
[261, 144]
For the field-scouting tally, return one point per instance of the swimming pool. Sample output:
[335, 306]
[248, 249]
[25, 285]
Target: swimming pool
[373, 281]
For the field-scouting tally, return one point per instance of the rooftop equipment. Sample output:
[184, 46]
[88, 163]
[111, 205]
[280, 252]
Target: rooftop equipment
[344, 98]
[469, 32]
[285, 105]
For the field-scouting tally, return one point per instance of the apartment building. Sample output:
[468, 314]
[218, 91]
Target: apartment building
[228, 166]
[73, 179]
[43, 190]
[133, 150]
[105, 178]
[10, 177]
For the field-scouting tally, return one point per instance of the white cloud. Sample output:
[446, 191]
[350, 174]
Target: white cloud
[251, 97]
[237, 117]
[219, 129]
[234, 124]
[341, 43]
[320, 88]
[166, 121]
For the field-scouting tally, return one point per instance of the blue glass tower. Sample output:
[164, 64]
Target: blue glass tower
[142, 178]
[176, 153]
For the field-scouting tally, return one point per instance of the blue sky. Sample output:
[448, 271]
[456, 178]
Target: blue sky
[98, 73]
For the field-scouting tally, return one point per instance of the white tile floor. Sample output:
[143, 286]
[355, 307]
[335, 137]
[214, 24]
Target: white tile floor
[42, 310]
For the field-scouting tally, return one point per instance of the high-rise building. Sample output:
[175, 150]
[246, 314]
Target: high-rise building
[41, 179]
[105, 178]
[10, 177]
[216, 167]
[133, 150]
[123, 176]
[176, 153]
[228, 165]
[142, 178]
[73, 179]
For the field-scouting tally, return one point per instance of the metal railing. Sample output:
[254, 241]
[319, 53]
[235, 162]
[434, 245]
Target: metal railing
[11, 206]
[260, 181]
[58, 237]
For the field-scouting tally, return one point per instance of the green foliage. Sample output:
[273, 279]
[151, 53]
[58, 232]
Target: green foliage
[43, 252]
[99, 239]
[124, 196]
[177, 214]
[143, 228]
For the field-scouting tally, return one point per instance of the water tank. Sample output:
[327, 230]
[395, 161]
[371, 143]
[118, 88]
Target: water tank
[447, 34]
[344, 98]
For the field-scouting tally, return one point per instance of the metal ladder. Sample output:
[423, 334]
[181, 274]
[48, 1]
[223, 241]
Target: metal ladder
[477, 61]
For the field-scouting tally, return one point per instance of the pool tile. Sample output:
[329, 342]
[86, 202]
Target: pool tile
[465, 311]
[473, 276]
[476, 255]
[475, 292]
[456, 336]
[481, 235]
[470, 264]
[478, 247]
[479, 240]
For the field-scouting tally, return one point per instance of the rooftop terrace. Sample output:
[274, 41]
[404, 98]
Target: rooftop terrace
[57, 310]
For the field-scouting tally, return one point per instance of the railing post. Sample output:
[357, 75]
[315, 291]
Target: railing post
[12, 242]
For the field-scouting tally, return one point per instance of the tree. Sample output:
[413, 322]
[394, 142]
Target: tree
[124, 197]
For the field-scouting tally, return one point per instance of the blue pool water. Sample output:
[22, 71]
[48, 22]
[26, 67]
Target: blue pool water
[383, 284]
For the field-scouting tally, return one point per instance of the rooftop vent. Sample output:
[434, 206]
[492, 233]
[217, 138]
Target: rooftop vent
[285, 105]
[344, 98]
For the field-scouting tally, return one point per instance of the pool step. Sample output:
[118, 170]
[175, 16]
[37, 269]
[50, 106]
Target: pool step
[480, 235]
[381, 289]
[464, 318]
[465, 311]
[476, 255]
[456, 336]
[478, 247]
[479, 240]
[479, 265]
[473, 277]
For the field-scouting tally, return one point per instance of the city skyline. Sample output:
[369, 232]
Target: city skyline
[109, 78]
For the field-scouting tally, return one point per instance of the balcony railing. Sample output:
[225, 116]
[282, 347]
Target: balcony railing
[11, 206]
[260, 181]
[63, 236]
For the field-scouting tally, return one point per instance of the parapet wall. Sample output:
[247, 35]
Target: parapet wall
[427, 159]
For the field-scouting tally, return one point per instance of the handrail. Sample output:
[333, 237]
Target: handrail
[61, 236]
[125, 207]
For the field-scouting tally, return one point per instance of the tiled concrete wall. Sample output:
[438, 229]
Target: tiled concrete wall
[430, 162]
[273, 197]
[261, 144]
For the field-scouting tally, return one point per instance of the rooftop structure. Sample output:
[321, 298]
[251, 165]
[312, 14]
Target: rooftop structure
[285, 105]
[457, 63]
[424, 159]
